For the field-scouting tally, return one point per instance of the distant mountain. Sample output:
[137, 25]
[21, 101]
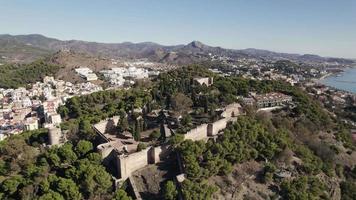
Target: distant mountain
[24, 48]
[294, 57]
[15, 49]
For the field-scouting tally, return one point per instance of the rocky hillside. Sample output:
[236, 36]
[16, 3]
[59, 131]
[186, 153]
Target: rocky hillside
[69, 60]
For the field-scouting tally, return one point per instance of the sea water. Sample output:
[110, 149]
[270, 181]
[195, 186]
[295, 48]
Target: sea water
[343, 81]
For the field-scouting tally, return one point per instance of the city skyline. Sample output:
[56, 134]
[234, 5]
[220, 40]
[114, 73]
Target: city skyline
[324, 28]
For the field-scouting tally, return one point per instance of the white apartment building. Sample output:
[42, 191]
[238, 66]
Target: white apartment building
[119, 75]
[30, 124]
[86, 73]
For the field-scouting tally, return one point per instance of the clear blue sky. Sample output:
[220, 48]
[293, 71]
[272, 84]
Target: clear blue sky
[324, 27]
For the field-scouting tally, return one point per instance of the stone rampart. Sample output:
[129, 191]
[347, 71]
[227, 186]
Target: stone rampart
[198, 133]
[107, 125]
[127, 164]
[216, 127]
[159, 153]
[132, 162]
[105, 149]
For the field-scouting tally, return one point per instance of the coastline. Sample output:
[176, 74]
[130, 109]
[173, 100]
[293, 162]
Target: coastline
[329, 74]
[326, 76]
[322, 79]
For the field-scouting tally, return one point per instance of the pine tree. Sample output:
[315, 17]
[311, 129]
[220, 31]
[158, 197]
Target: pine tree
[123, 124]
[136, 135]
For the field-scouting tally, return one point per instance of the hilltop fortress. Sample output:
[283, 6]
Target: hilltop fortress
[122, 149]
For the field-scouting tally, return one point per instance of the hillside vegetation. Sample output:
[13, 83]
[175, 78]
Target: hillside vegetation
[19, 75]
[303, 139]
[72, 171]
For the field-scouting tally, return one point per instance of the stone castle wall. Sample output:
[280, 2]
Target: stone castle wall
[231, 110]
[135, 161]
[108, 125]
[105, 149]
[159, 153]
[55, 136]
[216, 127]
[198, 133]
[127, 164]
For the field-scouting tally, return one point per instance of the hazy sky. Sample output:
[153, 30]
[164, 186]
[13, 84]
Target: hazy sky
[324, 27]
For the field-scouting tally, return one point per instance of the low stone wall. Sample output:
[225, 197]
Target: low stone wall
[136, 194]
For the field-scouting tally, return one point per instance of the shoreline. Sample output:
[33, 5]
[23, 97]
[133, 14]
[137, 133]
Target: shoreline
[343, 70]
[326, 76]
[322, 78]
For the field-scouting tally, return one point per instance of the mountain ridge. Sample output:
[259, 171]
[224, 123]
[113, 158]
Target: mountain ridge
[179, 54]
